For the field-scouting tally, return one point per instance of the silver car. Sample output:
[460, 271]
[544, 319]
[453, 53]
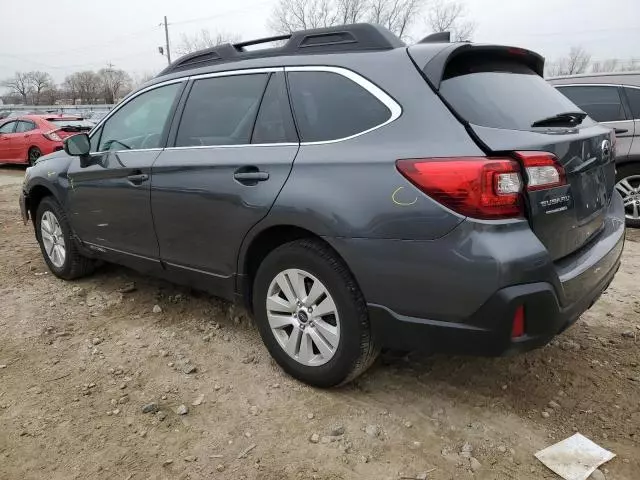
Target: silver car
[614, 100]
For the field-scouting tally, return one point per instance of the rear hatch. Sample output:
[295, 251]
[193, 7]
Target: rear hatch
[566, 159]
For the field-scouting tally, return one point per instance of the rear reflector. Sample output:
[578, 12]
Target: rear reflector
[542, 169]
[478, 187]
[517, 329]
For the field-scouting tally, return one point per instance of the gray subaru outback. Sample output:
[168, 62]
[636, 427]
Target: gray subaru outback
[352, 192]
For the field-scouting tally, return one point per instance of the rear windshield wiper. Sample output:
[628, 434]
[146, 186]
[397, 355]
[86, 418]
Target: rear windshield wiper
[570, 118]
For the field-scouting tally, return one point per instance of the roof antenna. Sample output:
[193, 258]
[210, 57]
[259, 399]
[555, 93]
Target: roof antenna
[439, 37]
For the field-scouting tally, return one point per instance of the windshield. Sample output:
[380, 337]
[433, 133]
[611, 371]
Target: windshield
[503, 99]
[61, 122]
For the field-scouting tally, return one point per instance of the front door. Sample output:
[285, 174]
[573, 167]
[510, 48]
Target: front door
[233, 150]
[109, 200]
[8, 144]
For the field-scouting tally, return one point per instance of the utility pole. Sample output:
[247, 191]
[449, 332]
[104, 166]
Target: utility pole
[166, 34]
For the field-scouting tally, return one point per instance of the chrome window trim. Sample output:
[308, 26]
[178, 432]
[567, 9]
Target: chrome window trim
[602, 85]
[240, 145]
[101, 152]
[394, 107]
[230, 73]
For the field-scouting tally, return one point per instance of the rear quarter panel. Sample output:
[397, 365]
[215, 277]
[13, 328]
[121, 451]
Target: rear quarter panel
[351, 188]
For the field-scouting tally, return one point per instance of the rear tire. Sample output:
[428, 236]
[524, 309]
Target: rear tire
[57, 244]
[33, 155]
[354, 348]
[628, 185]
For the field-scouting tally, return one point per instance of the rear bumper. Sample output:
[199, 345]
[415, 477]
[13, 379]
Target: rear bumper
[488, 331]
[459, 294]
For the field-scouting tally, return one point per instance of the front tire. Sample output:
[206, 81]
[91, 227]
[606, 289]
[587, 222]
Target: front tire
[311, 314]
[628, 184]
[58, 247]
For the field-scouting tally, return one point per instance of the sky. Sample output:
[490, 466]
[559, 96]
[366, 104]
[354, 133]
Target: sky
[64, 36]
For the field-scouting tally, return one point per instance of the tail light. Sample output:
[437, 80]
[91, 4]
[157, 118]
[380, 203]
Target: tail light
[542, 169]
[53, 136]
[479, 187]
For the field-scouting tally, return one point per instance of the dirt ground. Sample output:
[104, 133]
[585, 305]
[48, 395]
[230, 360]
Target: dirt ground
[79, 360]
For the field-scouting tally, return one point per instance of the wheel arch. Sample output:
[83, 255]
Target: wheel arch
[257, 245]
[35, 195]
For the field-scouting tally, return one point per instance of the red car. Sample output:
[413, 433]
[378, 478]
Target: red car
[24, 139]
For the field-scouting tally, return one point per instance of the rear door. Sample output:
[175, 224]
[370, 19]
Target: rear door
[8, 144]
[222, 174]
[499, 93]
[604, 103]
[633, 99]
[26, 128]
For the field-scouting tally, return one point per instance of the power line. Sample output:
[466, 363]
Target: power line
[222, 14]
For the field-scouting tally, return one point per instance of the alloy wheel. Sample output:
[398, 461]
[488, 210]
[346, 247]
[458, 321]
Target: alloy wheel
[303, 317]
[53, 239]
[629, 188]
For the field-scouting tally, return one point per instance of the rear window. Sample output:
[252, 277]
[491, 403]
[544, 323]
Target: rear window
[502, 94]
[329, 106]
[61, 122]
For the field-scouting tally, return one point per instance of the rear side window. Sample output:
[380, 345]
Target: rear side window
[633, 95]
[221, 110]
[502, 94]
[602, 103]
[329, 106]
[274, 123]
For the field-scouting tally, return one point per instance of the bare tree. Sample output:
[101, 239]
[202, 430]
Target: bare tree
[40, 81]
[609, 65]
[114, 83]
[204, 39]
[396, 15]
[449, 16]
[20, 84]
[578, 61]
[138, 79]
[292, 15]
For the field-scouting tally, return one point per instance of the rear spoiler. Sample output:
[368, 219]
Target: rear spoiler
[433, 58]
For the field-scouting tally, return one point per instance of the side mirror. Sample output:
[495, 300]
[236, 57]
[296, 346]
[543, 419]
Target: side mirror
[78, 146]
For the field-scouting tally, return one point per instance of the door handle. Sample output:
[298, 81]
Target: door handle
[250, 175]
[138, 178]
[620, 131]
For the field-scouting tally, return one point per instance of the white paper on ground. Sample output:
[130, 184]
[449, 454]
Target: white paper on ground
[574, 458]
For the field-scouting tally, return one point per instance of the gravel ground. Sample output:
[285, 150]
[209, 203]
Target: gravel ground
[121, 376]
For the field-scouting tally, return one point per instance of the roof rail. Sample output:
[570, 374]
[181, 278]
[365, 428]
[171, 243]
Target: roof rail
[357, 37]
[438, 37]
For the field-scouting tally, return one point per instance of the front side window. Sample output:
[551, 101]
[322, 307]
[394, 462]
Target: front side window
[140, 123]
[602, 103]
[221, 110]
[24, 126]
[8, 127]
[329, 106]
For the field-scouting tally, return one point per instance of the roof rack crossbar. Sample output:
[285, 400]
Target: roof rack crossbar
[277, 38]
